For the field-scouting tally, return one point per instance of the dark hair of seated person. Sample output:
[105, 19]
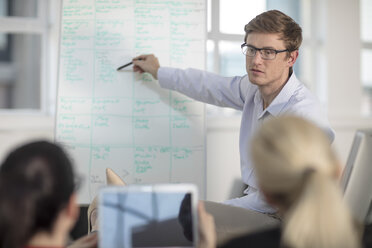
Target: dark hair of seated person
[185, 218]
[36, 182]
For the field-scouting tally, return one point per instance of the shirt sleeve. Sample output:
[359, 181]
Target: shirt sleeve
[205, 86]
[253, 200]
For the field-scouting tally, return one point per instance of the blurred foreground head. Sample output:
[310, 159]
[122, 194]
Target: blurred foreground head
[36, 184]
[298, 171]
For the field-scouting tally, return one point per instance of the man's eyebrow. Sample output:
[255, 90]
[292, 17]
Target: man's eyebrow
[271, 48]
[267, 47]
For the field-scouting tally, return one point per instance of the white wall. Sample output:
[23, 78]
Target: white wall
[343, 46]
[17, 129]
[223, 160]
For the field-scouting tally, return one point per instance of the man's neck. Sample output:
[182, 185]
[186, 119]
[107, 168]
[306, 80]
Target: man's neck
[269, 92]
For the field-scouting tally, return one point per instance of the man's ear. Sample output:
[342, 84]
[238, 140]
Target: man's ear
[292, 58]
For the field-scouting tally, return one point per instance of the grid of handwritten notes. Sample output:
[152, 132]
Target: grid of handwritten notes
[124, 120]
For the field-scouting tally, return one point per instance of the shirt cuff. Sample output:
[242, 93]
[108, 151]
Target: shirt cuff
[165, 77]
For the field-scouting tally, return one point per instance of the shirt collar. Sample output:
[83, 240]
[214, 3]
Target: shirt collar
[280, 100]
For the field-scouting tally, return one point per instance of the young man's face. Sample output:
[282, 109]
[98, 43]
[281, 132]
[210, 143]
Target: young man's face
[272, 73]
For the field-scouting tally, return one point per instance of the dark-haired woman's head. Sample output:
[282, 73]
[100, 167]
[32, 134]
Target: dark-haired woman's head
[36, 186]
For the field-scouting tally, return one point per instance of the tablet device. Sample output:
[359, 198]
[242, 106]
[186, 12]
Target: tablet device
[161, 215]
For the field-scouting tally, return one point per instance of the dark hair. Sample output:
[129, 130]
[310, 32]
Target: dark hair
[36, 182]
[185, 218]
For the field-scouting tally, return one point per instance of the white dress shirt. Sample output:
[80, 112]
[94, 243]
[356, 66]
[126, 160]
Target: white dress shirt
[239, 93]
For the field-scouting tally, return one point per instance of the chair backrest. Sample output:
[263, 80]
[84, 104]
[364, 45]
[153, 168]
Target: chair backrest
[356, 180]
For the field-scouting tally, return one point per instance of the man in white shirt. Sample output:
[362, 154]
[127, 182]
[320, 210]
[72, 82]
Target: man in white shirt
[270, 88]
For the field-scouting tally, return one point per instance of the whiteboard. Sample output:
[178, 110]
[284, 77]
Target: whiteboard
[124, 120]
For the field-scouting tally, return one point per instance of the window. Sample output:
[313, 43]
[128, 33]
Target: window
[226, 21]
[25, 61]
[366, 55]
[225, 34]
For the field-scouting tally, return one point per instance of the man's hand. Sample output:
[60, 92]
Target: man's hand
[207, 228]
[87, 241]
[146, 63]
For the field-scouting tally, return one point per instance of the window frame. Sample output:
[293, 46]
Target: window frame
[367, 96]
[215, 35]
[46, 24]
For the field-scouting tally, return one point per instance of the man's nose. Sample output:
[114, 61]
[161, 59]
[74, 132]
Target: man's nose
[257, 59]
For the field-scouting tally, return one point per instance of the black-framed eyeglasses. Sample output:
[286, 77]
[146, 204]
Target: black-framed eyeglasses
[266, 53]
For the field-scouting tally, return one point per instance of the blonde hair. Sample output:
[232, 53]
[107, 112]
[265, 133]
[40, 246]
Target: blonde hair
[295, 164]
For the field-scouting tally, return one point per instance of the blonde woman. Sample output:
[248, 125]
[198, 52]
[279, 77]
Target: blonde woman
[298, 173]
